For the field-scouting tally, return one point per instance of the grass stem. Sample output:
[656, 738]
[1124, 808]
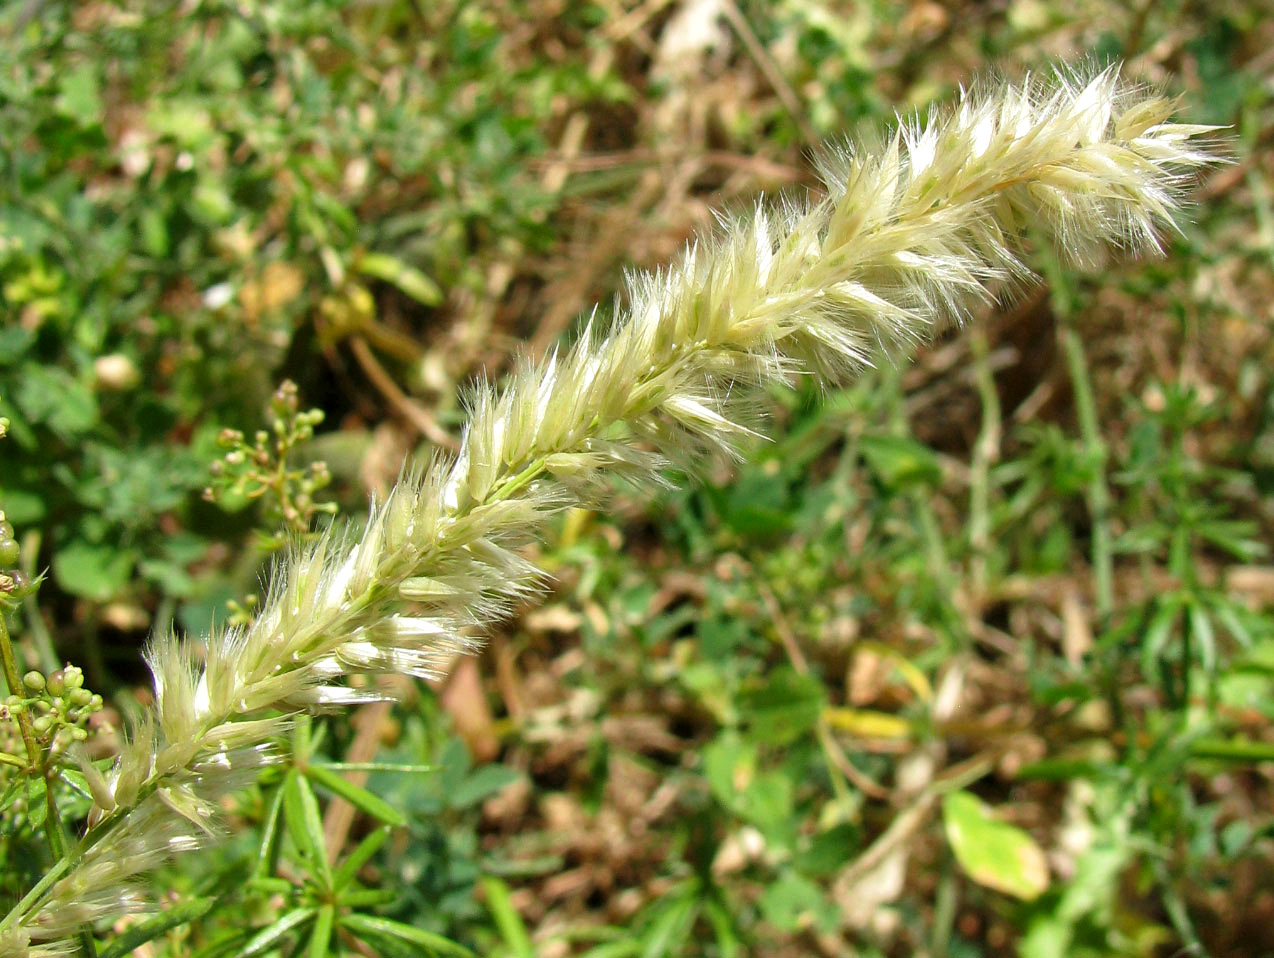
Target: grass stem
[1097, 492]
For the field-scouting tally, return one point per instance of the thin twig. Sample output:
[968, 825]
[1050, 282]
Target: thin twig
[406, 407]
[782, 89]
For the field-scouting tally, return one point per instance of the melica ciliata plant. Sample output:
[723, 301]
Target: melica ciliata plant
[911, 235]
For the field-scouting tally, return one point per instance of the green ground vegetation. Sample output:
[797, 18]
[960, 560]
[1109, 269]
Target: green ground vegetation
[976, 660]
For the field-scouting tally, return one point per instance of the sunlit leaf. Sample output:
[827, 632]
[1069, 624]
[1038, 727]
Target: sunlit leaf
[991, 852]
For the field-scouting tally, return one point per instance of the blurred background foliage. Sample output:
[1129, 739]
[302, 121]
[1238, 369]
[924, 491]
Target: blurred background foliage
[976, 660]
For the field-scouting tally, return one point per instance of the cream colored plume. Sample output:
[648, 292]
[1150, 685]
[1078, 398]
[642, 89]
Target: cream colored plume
[909, 237]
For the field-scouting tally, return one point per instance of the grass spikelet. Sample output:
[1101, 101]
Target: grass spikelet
[909, 238]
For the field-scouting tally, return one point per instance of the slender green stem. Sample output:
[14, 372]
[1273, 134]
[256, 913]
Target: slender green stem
[54, 830]
[39, 888]
[1098, 492]
[14, 680]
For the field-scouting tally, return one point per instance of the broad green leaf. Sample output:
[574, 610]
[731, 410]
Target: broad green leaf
[96, 572]
[898, 461]
[54, 397]
[828, 851]
[729, 765]
[482, 784]
[787, 707]
[80, 97]
[763, 798]
[22, 506]
[991, 852]
[76, 781]
[356, 795]
[794, 903]
[37, 808]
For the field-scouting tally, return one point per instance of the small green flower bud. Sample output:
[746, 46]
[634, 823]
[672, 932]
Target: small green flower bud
[42, 723]
[79, 734]
[9, 552]
[56, 684]
[95, 703]
[285, 397]
[81, 697]
[73, 677]
[6, 529]
[34, 681]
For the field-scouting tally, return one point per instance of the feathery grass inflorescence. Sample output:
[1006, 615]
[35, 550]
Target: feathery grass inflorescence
[909, 237]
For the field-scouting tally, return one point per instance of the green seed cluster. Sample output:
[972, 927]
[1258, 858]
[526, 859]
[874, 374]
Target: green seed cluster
[59, 704]
[260, 468]
[15, 584]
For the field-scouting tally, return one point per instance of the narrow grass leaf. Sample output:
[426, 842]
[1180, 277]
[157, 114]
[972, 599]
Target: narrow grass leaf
[267, 854]
[305, 825]
[321, 936]
[1204, 635]
[266, 939]
[359, 857]
[356, 795]
[407, 278]
[866, 723]
[671, 930]
[507, 919]
[388, 928]
[146, 931]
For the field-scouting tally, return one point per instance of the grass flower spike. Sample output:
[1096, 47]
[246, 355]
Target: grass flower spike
[910, 236]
